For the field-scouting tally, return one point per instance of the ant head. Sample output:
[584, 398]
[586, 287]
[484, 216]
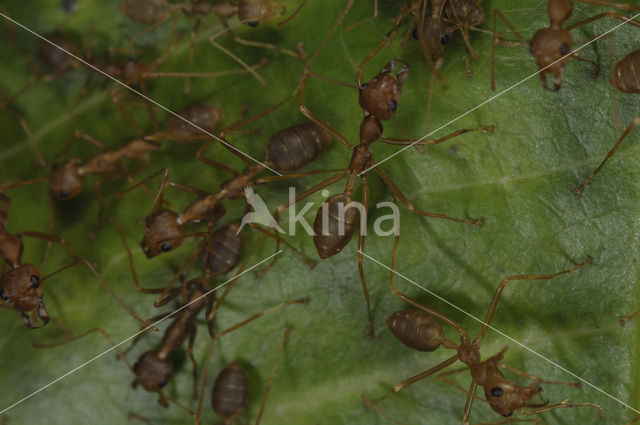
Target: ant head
[550, 48]
[253, 12]
[65, 181]
[505, 397]
[380, 96]
[162, 233]
[433, 37]
[416, 329]
[22, 287]
[152, 372]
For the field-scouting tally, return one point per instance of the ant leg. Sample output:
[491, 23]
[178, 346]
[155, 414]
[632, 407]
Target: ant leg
[361, 237]
[215, 164]
[267, 46]
[283, 340]
[469, 403]
[330, 34]
[79, 135]
[192, 41]
[310, 263]
[437, 67]
[416, 304]
[364, 21]
[394, 389]
[249, 69]
[503, 283]
[596, 67]
[621, 6]
[193, 330]
[147, 29]
[82, 335]
[395, 190]
[114, 94]
[536, 378]
[142, 334]
[260, 314]
[326, 127]
[626, 319]
[509, 421]
[167, 293]
[148, 105]
[270, 179]
[8, 187]
[157, 196]
[578, 190]
[404, 142]
[611, 14]
[495, 42]
[564, 405]
[372, 405]
[634, 420]
[32, 141]
[137, 417]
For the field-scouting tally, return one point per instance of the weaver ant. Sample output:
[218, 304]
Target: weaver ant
[419, 330]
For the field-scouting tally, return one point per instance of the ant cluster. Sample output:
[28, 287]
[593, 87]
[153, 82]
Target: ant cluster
[271, 93]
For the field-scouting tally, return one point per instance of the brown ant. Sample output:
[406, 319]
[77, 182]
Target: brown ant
[379, 98]
[552, 46]
[21, 287]
[419, 330]
[230, 392]
[625, 78]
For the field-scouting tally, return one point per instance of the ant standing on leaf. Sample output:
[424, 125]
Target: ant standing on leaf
[21, 287]
[552, 46]
[334, 224]
[419, 330]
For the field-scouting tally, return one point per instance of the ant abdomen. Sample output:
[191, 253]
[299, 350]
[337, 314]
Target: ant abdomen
[204, 116]
[416, 330]
[224, 251]
[626, 75]
[162, 233]
[65, 181]
[296, 146]
[334, 225]
[230, 394]
[146, 12]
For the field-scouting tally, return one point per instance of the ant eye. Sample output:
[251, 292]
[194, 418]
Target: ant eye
[497, 392]
[415, 34]
[564, 49]
[64, 193]
[162, 382]
[253, 23]
[35, 282]
[444, 39]
[363, 87]
[3, 295]
[393, 105]
[166, 247]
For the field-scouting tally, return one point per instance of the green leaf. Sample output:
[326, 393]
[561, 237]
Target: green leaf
[518, 179]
